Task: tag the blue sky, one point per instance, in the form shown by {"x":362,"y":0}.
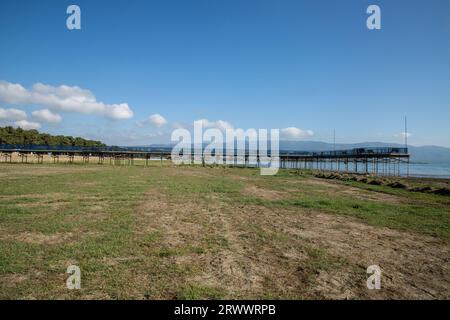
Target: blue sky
{"x":311,"y":65}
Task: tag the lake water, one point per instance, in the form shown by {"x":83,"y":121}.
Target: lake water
{"x":435,"y":170}
{"x":432,"y":170}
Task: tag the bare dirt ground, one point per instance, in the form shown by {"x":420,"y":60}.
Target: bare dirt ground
{"x":301,"y":254}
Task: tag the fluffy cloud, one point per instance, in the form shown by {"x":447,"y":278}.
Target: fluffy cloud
{"x":219,"y":124}
{"x":403,"y":135}
{"x":156,"y":120}
{"x":64,"y":98}
{"x":17,"y":118}
{"x":46,"y":115}
{"x":295,"y":133}
{"x":12,"y":114}
{"x":27,"y":125}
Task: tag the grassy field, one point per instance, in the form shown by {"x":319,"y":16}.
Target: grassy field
{"x":211,"y":233}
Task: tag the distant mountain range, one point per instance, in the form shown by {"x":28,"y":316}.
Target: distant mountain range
{"x":423,"y":154}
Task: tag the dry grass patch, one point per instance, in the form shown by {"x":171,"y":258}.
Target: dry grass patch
{"x":402,"y":256}
{"x":40,"y":238}
{"x":336,"y":189}
{"x":264,"y":193}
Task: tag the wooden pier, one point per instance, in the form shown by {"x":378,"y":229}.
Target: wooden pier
{"x":376,"y":161}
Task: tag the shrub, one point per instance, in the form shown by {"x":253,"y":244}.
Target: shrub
{"x":421,"y":189}
{"x":442,"y":191}
{"x":376,"y":182}
{"x":397,"y":185}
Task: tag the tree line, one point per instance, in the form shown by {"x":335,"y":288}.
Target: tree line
{"x":10,"y":135}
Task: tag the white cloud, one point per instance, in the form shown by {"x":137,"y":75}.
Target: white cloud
{"x":64,"y":98}
{"x":46,"y":115}
{"x":295,"y":133}
{"x":403,"y":135}
{"x":219,"y":124}
{"x":156,"y":120}
{"x":12,"y":114}
{"x":17,"y":118}
{"x":12,"y":93}
{"x":27,"y":125}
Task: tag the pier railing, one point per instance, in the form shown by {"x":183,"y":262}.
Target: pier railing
{"x":108,"y":149}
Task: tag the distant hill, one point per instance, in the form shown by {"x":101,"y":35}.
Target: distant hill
{"x":10,"y":135}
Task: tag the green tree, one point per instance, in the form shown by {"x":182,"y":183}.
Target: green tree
{"x":10,"y":135}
